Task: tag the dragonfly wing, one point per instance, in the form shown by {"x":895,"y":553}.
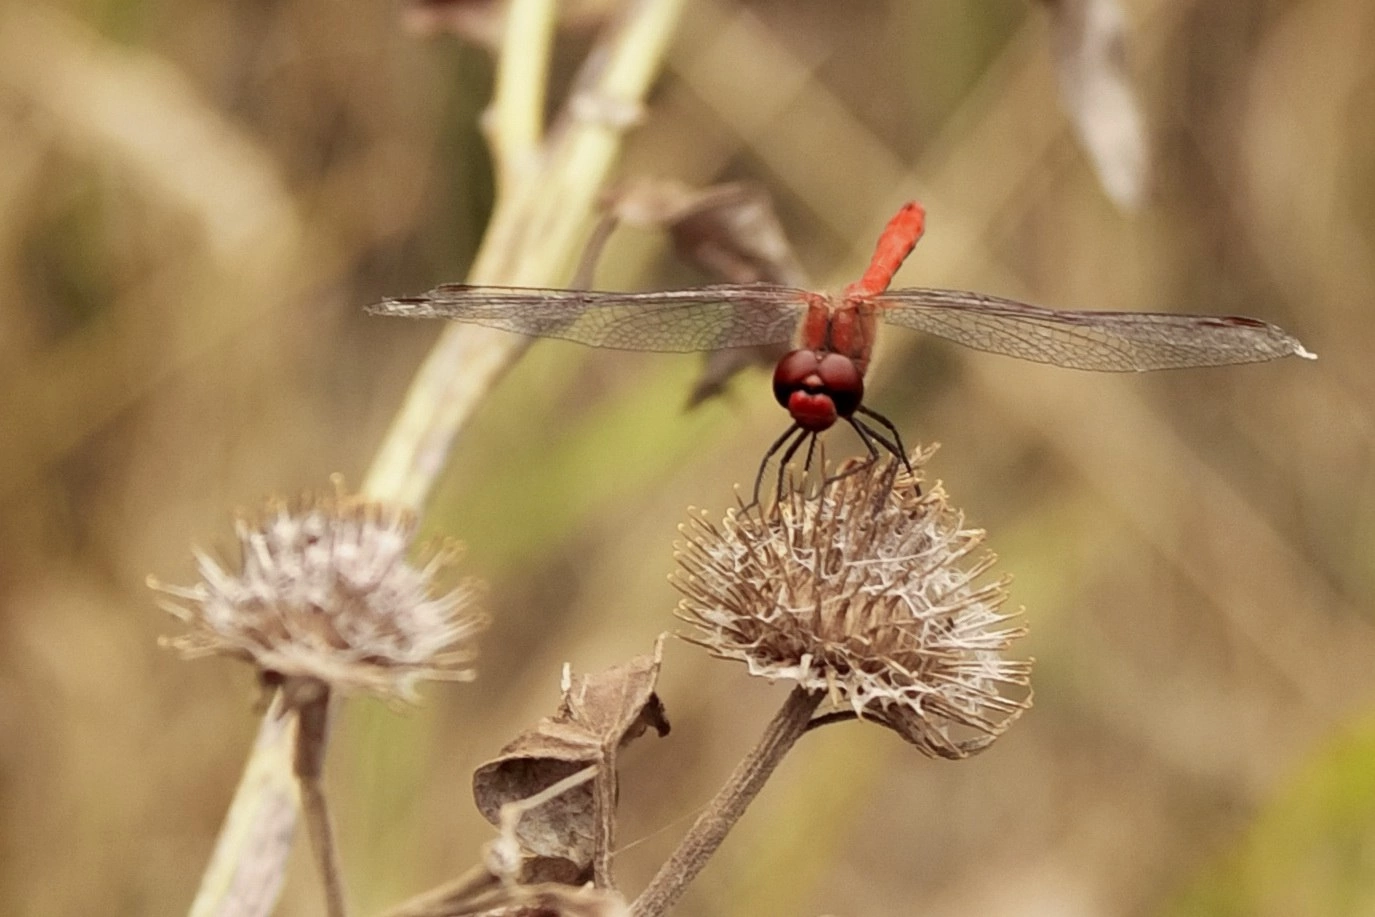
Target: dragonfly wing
{"x":1103,"y":341}
{"x":672,"y":321}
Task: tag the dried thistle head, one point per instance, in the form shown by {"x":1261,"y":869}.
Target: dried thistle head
{"x":324,"y":591}
{"x":869,"y":591}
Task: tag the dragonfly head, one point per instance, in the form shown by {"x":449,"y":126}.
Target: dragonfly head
{"x":817,"y":387}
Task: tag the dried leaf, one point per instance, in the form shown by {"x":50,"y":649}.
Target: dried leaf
{"x":619,"y":704}
{"x":537,"y":870}
{"x":562,"y":827}
{"x":599,"y":713}
{"x":555,"y":901}
{"x":732,"y":233}
{"x":484,"y":893}
{"x":1095,"y":88}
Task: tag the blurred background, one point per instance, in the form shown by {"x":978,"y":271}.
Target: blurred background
{"x":197,"y":199}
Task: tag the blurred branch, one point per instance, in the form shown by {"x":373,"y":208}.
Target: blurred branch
{"x":131,"y":109}
{"x":515,"y":121}
{"x":134,"y":110}
{"x":532,"y":236}
{"x":245,"y":873}
{"x":1090,"y":42}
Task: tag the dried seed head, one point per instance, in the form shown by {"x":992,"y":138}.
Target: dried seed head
{"x":868,"y":591}
{"x":323,"y":590}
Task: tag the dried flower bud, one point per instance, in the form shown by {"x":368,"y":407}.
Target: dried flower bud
{"x":324,"y":591}
{"x":866,"y":591}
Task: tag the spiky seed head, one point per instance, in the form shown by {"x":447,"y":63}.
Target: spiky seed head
{"x":323,"y":589}
{"x":870,"y":591}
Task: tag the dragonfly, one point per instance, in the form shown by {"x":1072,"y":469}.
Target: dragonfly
{"x":821,"y":381}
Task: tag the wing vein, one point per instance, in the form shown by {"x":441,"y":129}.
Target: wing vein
{"x":676,"y":321}
{"x":1103,"y":341}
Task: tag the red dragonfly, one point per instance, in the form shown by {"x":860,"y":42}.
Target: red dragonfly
{"x":822,"y":380}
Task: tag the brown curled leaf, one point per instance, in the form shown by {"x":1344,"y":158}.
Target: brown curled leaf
{"x":599,"y":713}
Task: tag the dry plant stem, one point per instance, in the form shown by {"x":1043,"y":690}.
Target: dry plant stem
{"x":311,"y":739}
{"x":246,"y":871}
{"x":533,"y":238}
{"x":533,"y":235}
{"x":604,"y":791}
{"x":837,"y":716}
{"x":730,"y":803}
{"x":482,"y":888}
{"x":446,"y":898}
{"x":515,"y":121}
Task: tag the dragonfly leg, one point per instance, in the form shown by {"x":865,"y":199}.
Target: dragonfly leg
{"x":773,"y":450}
{"x":811,"y":453}
{"x":868,"y":435}
{"x":896,"y":447}
{"x":788,"y":457}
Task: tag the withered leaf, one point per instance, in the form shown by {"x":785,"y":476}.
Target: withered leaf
{"x":484,"y":894}
{"x":617,"y":705}
{"x":729,"y":231}
{"x":598,"y":714}
{"x":1095,"y":88}
{"x":557,"y":901}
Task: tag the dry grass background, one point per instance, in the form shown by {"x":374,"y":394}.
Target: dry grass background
{"x":197,"y":199}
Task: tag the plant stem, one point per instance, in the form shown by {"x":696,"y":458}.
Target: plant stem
{"x":533,"y":239}
{"x":246,"y":871}
{"x":604,"y":791}
{"x":534,"y":234}
{"x":312,"y":734}
{"x":451,"y":897}
{"x":515,"y":121}
{"x":730,"y":803}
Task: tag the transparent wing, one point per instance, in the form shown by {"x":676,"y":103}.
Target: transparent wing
{"x":1103,"y":341}
{"x":674,"y":321}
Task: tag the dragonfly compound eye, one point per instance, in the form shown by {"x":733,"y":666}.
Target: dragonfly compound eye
{"x":792,"y":372}
{"x":841,"y":379}
{"x":817,"y":388}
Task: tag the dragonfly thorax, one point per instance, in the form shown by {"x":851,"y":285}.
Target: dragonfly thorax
{"x":818,"y":387}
